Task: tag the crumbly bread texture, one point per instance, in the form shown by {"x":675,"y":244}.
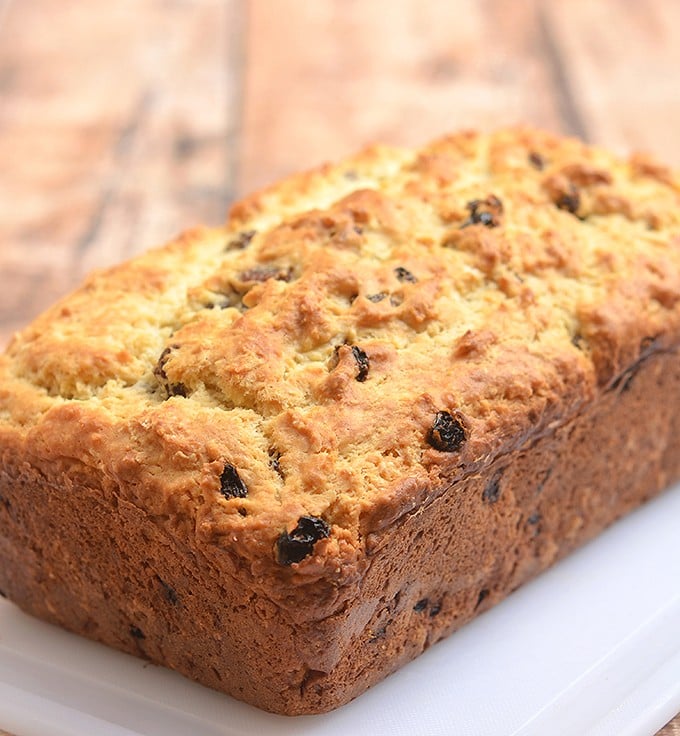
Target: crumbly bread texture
{"x":285,"y":456}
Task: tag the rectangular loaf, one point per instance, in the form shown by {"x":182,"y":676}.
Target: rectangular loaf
{"x":285,"y":456}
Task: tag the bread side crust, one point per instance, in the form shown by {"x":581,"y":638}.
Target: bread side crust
{"x":187,"y":607}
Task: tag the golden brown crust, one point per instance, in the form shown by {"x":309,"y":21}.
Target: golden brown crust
{"x":460,"y":549}
{"x":354,"y":343}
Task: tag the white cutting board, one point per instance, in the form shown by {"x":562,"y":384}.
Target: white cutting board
{"x":591,"y":648}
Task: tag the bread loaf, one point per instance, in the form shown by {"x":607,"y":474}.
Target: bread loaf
{"x":287,"y":455}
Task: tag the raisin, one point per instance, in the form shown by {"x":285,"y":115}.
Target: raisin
{"x":377,"y":297}
{"x":159,"y":370}
{"x":294,"y":546}
{"x":171,"y":389}
{"x":447,"y":433}
{"x":480,"y":598}
{"x":570,"y":201}
{"x":178,"y":389}
{"x":421,"y":605}
{"x":435,"y":610}
{"x":169,"y":592}
{"x":274,"y":462}
{"x":492,"y":490}
{"x":362,"y":361}
{"x":359,"y":356}
{"x":137,"y":632}
{"x":403,"y":274}
{"x":536,"y":160}
{"x":231,"y":485}
{"x":534,"y":518}
{"x":485,"y":212}
{"x":242,"y":240}
{"x":264,"y":273}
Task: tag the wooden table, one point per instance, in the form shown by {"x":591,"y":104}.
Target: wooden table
{"x":123,"y":122}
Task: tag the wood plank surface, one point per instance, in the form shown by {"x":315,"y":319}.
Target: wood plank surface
{"x":622,"y":66}
{"x":117,"y":123}
{"x":122,"y":123}
{"x":347,"y":73}
{"x":324,"y":78}
{"x":672,"y":729}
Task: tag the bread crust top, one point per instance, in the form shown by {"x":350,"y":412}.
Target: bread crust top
{"x":354,"y":340}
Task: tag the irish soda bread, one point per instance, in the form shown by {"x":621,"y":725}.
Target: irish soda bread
{"x":286,"y":456}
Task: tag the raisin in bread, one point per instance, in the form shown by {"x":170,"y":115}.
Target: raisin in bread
{"x":285,"y":456}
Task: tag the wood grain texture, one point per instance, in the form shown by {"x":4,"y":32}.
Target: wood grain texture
{"x":121,"y":123}
{"x":622,"y":63}
{"x":115,"y":122}
{"x":326,"y":78}
{"x":672,"y":729}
